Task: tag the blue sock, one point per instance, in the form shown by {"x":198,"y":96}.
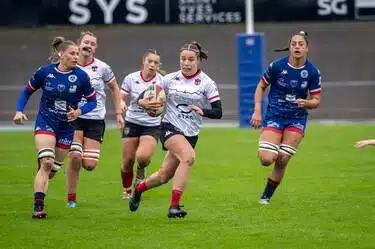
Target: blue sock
{"x":269,"y":189}
{"x":39,"y":201}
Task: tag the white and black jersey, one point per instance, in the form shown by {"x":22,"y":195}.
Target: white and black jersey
{"x":100,"y":75}
{"x":133,"y":85}
{"x":182,"y":91}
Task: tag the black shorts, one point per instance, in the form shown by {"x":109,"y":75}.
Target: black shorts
{"x":168,"y":130}
{"x":136,"y":130}
{"x":92,"y":128}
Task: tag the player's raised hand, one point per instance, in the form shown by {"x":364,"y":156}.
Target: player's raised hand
{"x":73,"y":114}
{"x":19,"y":117}
{"x":196,"y":109}
{"x":256,"y":120}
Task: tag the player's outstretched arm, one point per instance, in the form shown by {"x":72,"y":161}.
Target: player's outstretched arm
{"x":256,"y":118}
{"x":363,"y":143}
{"x":117,"y":101}
{"x":19,"y":116}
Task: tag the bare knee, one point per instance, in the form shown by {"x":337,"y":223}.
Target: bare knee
{"x":127,"y":164}
{"x":47,"y":163}
{"x":267,"y":158}
{"x":89,"y":164}
{"x":75,"y":157}
{"x":188,"y":158}
{"x":143,"y":160}
{"x":285,"y":153}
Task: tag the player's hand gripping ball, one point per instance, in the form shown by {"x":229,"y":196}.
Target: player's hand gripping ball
{"x":155,"y":100}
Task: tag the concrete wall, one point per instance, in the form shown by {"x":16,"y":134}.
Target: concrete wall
{"x":344,"y":52}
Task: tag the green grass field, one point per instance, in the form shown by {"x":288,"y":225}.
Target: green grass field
{"x":326,"y":201}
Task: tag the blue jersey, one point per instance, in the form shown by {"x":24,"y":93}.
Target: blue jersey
{"x":287,"y":84}
{"x":61,"y":90}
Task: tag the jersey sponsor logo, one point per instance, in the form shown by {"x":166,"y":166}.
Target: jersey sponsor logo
{"x":60,"y":87}
{"x":294,"y":83}
{"x":183,"y":108}
{"x":291,"y":98}
{"x":48,"y":86}
{"x":72,"y":78}
{"x":281,"y":82}
{"x":50,"y":75}
{"x":94,"y":68}
{"x":197,"y":82}
{"x":284,"y":72}
{"x":304,"y":74}
{"x":65,"y":141}
{"x":60,"y":105}
{"x":72,"y":88}
{"x":298,"y":126}
{"x":273,"y":124}
{"x":304,"y":84}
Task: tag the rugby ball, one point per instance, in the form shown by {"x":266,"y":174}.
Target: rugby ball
{"x":155,"y":92}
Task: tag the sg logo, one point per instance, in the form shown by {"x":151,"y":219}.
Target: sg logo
{"x":332,"y":7}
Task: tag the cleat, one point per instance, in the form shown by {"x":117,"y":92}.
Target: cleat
{"x":176,"y":212}
{"x":127,"y":194}
{"x":264,"y":201}
{"x":71,"y":204}
{"x":39,"y":215}
{"x":135,"y":200}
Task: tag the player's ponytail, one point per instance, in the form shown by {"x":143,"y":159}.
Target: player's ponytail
{"x":56,"y":49}
{"x":301,"y":33}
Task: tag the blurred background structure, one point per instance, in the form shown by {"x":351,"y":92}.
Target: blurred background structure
{"x":340,"y":33}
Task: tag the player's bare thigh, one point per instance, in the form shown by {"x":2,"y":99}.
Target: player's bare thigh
{"x":181,"y":148}
{"x":269,"y":142}
{"x":146,"y":148}
{"x":168,"y":167}
{"x":129,"y":148}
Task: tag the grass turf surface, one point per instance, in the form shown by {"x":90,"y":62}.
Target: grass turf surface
{"x":326,"y":201}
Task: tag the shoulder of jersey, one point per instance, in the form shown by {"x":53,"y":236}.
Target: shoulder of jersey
{"x":171,"y":76}
{"x":311,"y":66}
{"x":205,"y":77}
{"x":100,"y":63}
{"x":134,"y":75}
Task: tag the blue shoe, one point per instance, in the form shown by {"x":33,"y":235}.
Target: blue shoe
{"x":176,"y":212}
{"x":71,"y":204}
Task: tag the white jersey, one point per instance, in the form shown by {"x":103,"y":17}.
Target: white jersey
{"x":133,"y":85}
{"x":183,"y":91}
{"x":100,"y":75}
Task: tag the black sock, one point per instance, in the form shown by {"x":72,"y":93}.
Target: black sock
{"x":39,"y":201}
{"x":270,"y":189}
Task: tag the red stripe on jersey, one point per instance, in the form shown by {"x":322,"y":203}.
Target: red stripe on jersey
{"x":294,"y":129}
{"x":153,"y":77}
{"x":123,"y":89}
{"x":273,"y":130}
{"x":30,"y":87}
{"x":265,"y":81}
{"x":91,"y":96}
{"x":191,"y":76}
{"x":44,"y":133}
{"x":216,"y":96}
{"x":89,"y":63}
{"x":316,"y":91}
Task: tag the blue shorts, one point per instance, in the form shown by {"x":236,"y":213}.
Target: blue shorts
{"x":280,"y":124}
{"x":64,"y":133}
